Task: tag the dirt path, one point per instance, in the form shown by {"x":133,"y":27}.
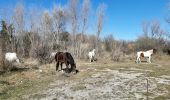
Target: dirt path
{"x":103,"y":84}
{"x":105,"y":80}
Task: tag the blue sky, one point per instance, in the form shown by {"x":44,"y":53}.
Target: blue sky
{"x":123,"y":18}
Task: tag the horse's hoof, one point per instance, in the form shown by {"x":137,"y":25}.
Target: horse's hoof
{"x":62,"y":71}
{"x":75,"y":72}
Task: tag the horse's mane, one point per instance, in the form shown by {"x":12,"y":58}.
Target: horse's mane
{"x":70,"y":57}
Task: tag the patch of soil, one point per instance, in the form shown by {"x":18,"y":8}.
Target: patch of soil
{"x":103,"y":84}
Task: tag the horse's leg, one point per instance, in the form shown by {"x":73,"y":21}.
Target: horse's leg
{"x":139,"y":60}
{"x":57,"y":65}
{"x":73,"y":68}
{"x":136,"y":59}
{"x":93,"y":58}
{"x":149,"y":59}
{"x":61,"y":64}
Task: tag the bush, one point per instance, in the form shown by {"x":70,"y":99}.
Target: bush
{"x":146,"y":43}
{"x":2,"y":64}
{"x":108,"y":43}
{"x":117,"y":51}
{"x":43,"y":54}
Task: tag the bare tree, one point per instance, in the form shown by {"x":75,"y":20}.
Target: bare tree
{"x":59,"y":22}
{"x":73,"y":8}
{"x":84,"y":22}
{"x":100,"y":20}
{"x":145,"y":28}
{"x":34,"y":18}
{"x":19,"y":24}
{"x":19,"y":18}
{"x":108,"y":43}
{"x":85,"y":15}
{"x":47,"y":25}
{"x":155,"y":28}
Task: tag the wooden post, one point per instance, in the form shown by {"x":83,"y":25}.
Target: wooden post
{"x":147,"y":88}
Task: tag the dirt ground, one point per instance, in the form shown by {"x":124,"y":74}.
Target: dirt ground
{"x":101,"y":80}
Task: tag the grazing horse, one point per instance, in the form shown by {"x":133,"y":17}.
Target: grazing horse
{"x":145,"y":54}
{"x":65,"y":57}
{"x":92,"y":55}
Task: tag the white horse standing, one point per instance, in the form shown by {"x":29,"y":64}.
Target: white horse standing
{"x":145,"y":54}
{"x":92,"y":55}
{"x":11,"y":57}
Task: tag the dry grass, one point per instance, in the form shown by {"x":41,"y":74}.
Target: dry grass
{"x":32,"y":78}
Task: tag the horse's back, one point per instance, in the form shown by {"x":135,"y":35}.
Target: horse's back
{"x":91,"y":54}
{"x":143,"y":53}
{"x":11,"y":56}
{"x":64,"y":56}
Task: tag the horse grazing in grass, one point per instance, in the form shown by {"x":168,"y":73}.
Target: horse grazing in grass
{"x":92,"y":55}
{"x":65,"y":57}
{"x":145,"y":54}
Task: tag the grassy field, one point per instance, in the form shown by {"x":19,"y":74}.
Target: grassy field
{"x":104,"y":79}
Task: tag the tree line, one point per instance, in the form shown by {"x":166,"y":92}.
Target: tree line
{"x":36,"y":33}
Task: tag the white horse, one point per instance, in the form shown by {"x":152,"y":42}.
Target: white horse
{"x":52,"y":55}
{"x":11,"y":57}
{"x":92,"y":55}
{"x":145,"y":54}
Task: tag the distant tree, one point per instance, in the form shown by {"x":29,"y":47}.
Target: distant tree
{"x":59,"y":22}
{"x":6,"y":36}
{"x":19,"y":23}
{"x":155,"y":28}
{"x":85,"y":15}
{"x":46,"y":25}
{"x":100,"y":20}
{"x":64,"y":36}
{"x":108,"y":42}
{"x":145,"y":28}
{"x":74,"y":17}
{"x":18,"y":18}
{"x":33,"y":36}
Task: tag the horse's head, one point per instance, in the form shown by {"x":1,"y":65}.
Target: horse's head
{"x":73,"y":68}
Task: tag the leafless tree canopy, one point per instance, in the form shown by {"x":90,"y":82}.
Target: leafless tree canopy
{"x":100,"y":19}
{"x":35,"y":32}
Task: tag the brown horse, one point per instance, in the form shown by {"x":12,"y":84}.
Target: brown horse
{"x":65,"y":57}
